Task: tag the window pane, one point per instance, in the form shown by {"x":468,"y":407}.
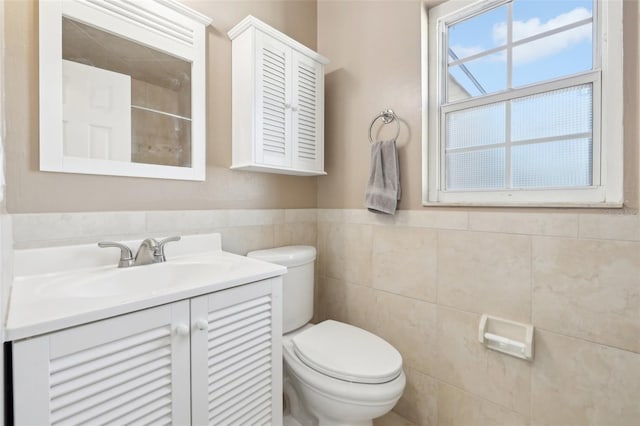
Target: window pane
{"x":553,"y":164}
{"x":487,"y":74}
{"x":475,"y":170}
{"x":532,"y":17}
{"x":558,"y":55}
{"x":561,"y":112}
{"x":476,"y":34}
{"x":480,"y":126}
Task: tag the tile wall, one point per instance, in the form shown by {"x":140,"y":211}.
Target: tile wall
{"x":421,"y":280}
{"x":241,"y":230}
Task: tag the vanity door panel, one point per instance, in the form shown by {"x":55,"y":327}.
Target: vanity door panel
{"x":128,"y":369}
{"x":237,"y":355}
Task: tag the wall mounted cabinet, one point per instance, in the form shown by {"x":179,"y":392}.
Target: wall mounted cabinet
{"x":278,"y":102}
{"x":212,"y":359}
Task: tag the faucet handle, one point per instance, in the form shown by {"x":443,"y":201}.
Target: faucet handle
{"x":126,"y":256}
{"x":160,"y":247}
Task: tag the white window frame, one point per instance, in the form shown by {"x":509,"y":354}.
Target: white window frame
{"x":607,"y":80}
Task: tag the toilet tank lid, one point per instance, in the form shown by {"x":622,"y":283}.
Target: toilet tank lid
{"x":286,"y":256}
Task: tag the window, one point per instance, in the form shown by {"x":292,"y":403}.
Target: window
{"x":524,"y":103}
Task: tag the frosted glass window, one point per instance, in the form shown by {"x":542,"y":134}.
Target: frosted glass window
{"x":557,"y":113}
{"x":524,"y":103}
{"x":555,"y":164}
{"x":476,"y":170}
{"x":480,"y":126}
{"x":550,"y":142}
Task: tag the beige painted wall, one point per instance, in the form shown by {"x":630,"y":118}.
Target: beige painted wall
{"x":422,"y":278}
{"x":374,"y":49}
{"x":375,"y":64}
{"x":29,"y":190}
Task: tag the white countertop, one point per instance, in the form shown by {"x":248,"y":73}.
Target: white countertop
{"x":55,"y":298}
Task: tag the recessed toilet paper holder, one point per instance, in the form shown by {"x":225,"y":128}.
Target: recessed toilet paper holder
{"x":506,"y":336}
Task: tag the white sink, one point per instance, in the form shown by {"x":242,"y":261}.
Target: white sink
{"x":133,"y":281}
{"x":63,"y":287}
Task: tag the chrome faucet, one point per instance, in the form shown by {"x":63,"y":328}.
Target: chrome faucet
{"x":126,"y":256}
{"x":150,"y":251}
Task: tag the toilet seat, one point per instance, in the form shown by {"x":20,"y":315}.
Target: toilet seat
{"x":347,"y":353}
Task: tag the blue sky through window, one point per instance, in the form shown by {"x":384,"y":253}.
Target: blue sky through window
{"x":560,"y":54}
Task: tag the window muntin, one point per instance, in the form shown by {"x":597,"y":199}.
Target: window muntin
{"x":517,"y":43}
{"x":601,"y":140}
{"x":534,"y":129}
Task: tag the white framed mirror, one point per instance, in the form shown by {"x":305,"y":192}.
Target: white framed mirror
{"x":122,"y":88}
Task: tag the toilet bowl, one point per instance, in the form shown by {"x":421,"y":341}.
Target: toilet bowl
{"x":335,"y":374}
{"x":346,"y":399}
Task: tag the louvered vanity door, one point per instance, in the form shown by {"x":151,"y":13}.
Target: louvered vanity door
{"x":308,"y":117}
{"x":237,"y":356}
{"x":131,"y":369}
{"x":273,"y":102}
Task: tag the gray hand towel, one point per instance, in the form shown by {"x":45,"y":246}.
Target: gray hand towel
{"x":383,"y":188}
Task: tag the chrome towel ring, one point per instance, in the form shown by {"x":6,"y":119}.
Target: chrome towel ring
{"x":387,"y":117}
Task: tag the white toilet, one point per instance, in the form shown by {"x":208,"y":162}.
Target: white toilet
{"x":335,"y":374}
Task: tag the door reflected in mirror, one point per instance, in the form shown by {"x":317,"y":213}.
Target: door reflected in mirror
{"x":123,"y":101}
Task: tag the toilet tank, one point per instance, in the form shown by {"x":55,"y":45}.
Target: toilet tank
{"x":297,"y":284}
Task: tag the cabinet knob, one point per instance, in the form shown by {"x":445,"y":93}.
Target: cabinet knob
{"x":202,"y":325}
{"x":182,"y":330}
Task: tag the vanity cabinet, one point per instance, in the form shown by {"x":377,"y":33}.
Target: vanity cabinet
{"x":213,"y":359}
{"x":277,"y":102}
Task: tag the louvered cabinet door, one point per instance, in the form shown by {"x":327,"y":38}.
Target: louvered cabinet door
{"x":273,"y":102}
{"x":308,"y":117}
{"x":237,"y":356}
{"x":131,"y":369}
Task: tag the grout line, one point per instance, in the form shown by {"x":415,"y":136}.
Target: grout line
{"x":592,"y":342}
{"x":468,"y":392}
{"x":531,"y":290}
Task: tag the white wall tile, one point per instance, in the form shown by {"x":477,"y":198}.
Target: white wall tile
{"x":578,"y":383}
{"x":404,"y":261}
{"x":186,"y":221}
{"x":254,"y":217}
{"x":436,"y":219}
{"x":459,"y":408}
{"x":300,"y":215}
{"x":588,"y":289}
{"x":485,"y":273}
{"x":410,"y":326}
{"x":346,"y":252}
{"x":34,"y":230}
{"x":610,"y":227}
{"x":464,"y":362}
{"x":419,"y":402}
{"x":552,"y":224}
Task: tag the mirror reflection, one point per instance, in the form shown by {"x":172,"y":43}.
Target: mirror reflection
{"x":123,"y":101}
